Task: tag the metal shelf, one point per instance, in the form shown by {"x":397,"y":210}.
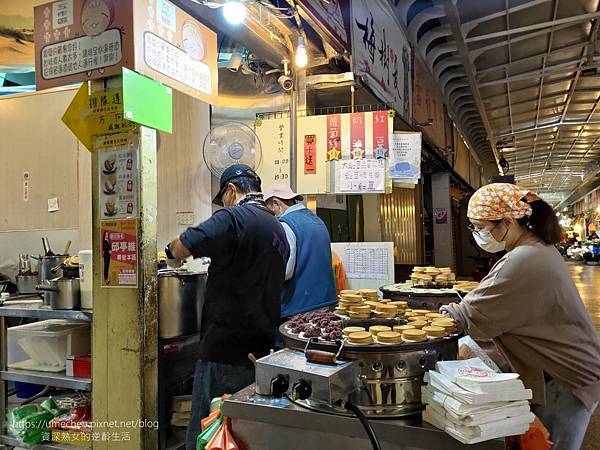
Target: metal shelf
{"x":47,"y":378}
{"x":9,"y":440}
{"x":36,"y":310}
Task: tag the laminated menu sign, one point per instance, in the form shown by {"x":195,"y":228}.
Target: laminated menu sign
{"x":405,"y":156}
{"x":359,"y":176}
{"x":119,"y":177}
{"x":366,"y":262}
{"x":119,"y":241}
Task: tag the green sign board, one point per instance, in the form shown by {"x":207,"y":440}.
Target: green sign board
{"x":147,"y":102}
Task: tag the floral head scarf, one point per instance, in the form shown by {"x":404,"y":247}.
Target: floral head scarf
{"x":499,"y":200}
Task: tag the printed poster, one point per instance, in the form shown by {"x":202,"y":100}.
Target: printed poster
{"x":405,"y":156}
{"x":119,"y":242}
{"x":80,"y":40}
{"x":119,"y":178}
{"x":441,"y":216}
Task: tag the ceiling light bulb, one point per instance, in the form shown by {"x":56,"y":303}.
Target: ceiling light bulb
{"x":301,"y":56}
{"x":234,"y":12}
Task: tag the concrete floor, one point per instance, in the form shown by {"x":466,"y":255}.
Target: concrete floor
{"x":587,"y":279}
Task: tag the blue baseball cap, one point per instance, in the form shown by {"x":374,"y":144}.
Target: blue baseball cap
{"x":231,"y":173}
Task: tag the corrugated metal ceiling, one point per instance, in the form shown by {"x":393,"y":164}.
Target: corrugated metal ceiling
{"x":521,"y":78}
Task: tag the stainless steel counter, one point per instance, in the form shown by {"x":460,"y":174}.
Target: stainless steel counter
{"x":262,"y":423}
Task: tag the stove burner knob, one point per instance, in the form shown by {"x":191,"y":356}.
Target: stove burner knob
{"x":279,"y":386}
{"x":301,"y":390}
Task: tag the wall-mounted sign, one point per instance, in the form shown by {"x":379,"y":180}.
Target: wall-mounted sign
{"x":274,"y":137}
{"x":405,"y":156}
{"x":25,"y":186}
{"x":174,"y":48}
{"x":381,"y":54}
{"x":359,"y":176}
{"x":119,"y":240}
{"x":78,"y":40}
{"x":94,"y":114}
{"x":441,"y":216}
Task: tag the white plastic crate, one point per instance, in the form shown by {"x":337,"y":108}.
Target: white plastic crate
{"x":45,"y":345}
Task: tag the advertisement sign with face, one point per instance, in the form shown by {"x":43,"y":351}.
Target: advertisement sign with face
{"x":79,"y":40}
{"x":174,"y":48}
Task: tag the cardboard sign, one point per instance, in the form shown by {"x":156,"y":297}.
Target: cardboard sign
{"x":175,"y":49}
{"x":119,"y":242}
{"x":94,"y":114}
{"x":79,"y":40}
{"x":310,"y":154}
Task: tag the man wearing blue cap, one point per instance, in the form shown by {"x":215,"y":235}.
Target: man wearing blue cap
{"x":248,"y":251}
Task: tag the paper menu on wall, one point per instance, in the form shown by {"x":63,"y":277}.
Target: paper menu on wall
{"x":366,"y":262}
{"x":119,"y":178}
{"x":360,"y":176}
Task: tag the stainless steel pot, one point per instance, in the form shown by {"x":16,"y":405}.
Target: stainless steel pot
{"x":62,"y":293}
{"x":46,"y":264}
{"x":26,"y":284}
{"x":180,"y":302}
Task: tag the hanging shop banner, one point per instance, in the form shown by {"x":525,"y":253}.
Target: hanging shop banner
{"x":381,"y":54}
{"x":332,"y":16}
{"x":79,"y":40}
{"x":175,"y":49}
{"x":120,"y":245}
{"x":359,"y":176}
{"x":310,"y":154}
{"x":428,"y":106}
{"x":357,"y":135}
{"x":405,"y":156}
{"x":99,"y":113}
{"x":274,"y":137}
{"x":381,"y":146}
{"x":118,"y":177}
{"x":334,"y":141}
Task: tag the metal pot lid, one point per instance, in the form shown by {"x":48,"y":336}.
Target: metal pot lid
{"x":177,"y":273}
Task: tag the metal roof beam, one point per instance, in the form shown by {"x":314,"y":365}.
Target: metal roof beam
{"x":536,"y":26}
{"x":454,"y":21}
{"x":547,"y":126}
{"x":467,"y":27}
{"x":566,"y":48}
{"x":535,"y":86}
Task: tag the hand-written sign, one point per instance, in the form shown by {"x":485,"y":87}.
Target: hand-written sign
{"x":359,"y":176}
{"x":275,"y":166}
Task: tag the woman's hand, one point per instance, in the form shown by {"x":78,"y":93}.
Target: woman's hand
{"x":445,"y":311}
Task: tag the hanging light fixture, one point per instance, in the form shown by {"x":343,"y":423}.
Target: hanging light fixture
{"x":234,"y":12}
{"x":301,"y":58}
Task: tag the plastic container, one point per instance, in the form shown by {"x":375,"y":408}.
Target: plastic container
{"x":27,"y":390}
{"x":86,"y":278}
{"x":45,"y":345}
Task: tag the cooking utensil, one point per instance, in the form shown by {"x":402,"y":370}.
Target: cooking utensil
{"x":180,"y":302}
{"x":26,"y":284}
{"x":67,"y":247}
{"x":63,"y":293}
{"x":24,"y":264}
{"x":47,"y":250}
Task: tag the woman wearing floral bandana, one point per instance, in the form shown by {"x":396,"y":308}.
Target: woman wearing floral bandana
{"x":529,"y":306}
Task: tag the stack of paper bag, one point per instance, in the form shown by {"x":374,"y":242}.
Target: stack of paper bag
{"x":472,"y":403}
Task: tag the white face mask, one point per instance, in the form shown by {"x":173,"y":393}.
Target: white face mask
{"x":487,"y":242}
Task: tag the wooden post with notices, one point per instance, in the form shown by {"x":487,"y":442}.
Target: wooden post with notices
{"x":125,"y":324}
